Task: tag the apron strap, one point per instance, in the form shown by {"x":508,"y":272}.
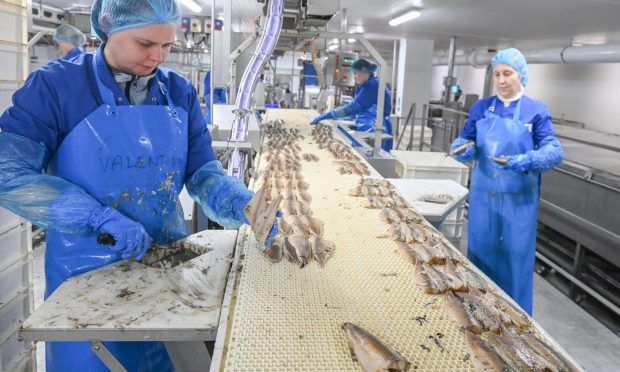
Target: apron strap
{"x":516,"y":115}
{"x":106,"y":94}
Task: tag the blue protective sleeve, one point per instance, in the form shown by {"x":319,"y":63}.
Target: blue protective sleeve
{"x":466,"y":155}
{"x":548,"y":154}
{"x":221,"y":197}
{"x":349,"y":109}
{"x":45,"y":200}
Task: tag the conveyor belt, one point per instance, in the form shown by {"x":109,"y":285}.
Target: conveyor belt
{"x":287,"y":318}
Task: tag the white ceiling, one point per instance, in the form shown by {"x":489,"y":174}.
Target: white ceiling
{"x":475,"y":23}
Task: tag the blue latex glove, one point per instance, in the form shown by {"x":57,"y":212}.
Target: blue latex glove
{"x":519,"y":163}
{"x":548,"y":155}
{"x":131,"y":238}
{"x":466,"y":155}
{"x":273,"y":232}
{"x":221,"y":197}
{"x":325,"y":116}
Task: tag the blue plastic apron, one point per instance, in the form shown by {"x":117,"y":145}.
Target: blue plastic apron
{"x":365,"y":120}
{"x":503,"y":207}
{"x":132,"y":158}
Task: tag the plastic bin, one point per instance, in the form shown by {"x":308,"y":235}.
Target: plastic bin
{"x":429,"y":165}
{"x":14,"y":245}
{"x":13,"y":313}
{"x":452,"y":229}
{"x":7,"y":220}
{"x":16,"y":355}
{"x":15,"y":279}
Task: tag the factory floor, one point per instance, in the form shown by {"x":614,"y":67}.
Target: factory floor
{"x":588,"y":341}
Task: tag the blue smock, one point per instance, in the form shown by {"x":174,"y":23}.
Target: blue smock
{"x":503,"y":204}
{"x":310,"y":73}
{"x":364,"y":108}
{"x":134,"y":158}
{"x":219,"y":96}
{"x":72,"y":54}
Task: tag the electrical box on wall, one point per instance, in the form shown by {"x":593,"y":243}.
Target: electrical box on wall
{"x":185,"y":22}
{"x":195,"y":25}
{"x":208,"y":25}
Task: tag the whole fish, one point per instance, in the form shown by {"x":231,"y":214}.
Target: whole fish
{"x":300,"y":245}
{"x":543,"y":349}
{"x":484,"y":357}
{"x":461,"y":314}
{"x":489,"y":317}
{"x":372,"y":354}
{"x":275,"y":250}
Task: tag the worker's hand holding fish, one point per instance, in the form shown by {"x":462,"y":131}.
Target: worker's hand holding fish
{"x":130,"y":238}
{"x":327,"y":115}
{"x":463,"y":150}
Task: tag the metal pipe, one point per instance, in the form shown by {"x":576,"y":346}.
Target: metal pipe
{"x":609,"y":53}
{"x":212,"y":63}
{"x":394,"y":57}
{"x":451,"y":54}
{"x":488,"y":82}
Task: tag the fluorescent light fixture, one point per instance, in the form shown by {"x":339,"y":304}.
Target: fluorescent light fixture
{"x":332,"y":47}
{"x":192,"y":5}
{"x":404,"y":17}
{"x":351,"y":41}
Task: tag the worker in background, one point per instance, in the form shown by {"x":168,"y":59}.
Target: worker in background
{"x":364,"y":105}
{"x":219,"y":96}
{"x":289,"y":99}
{"x":278,"y":95}
{"x":68,"y":40}
{"x":503,"y":201}
{"x":94,"y":158}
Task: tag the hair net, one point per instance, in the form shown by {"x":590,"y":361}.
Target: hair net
{"x":110,"y":16}
{"x":363,"y":65}
{"x":513,"y":58}
{"x":65,"y":33}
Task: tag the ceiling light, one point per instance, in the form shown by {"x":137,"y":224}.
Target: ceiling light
{"x":404,"y":17}
{"x":192,"y":5}
{"x":351,"y":41}
{"x":332,"y":47}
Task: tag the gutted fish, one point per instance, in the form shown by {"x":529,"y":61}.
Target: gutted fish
{"x":301,"y":247}
{"x":261,"y":214}
{"x":315,"y":226}
{"x":297,"y":224}
{"x":372,"y":354}
{"x":484,"y":357}
{"x":275,"y":250}
{"x":322,"y":249}
{"x":461,"y":314}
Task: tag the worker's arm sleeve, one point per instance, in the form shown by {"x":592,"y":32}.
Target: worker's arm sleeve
{"x":350,"y":109}
{"x":45,"y":200}
{"x":221,"y":197}
{"x":200,"y":145}
{"x":548,"y":155}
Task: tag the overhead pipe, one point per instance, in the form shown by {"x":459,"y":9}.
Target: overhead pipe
{"x":568,"y":54}
{"x":266,"y":44}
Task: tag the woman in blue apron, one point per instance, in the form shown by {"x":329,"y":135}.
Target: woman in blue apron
{"x":104,"y":144}
{"x":364,"y":106}
{"x":503,"y":199}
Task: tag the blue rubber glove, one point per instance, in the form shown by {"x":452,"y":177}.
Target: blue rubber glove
{"x":466,"y":155}
{"x":519,"y":163}
{"x":273,"y":232}
{"x":325,"y":116}
{"x":131,"y":238}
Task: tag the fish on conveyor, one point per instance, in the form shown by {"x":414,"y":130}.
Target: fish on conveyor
{"x":405,"y":233}
{"x":284,"y":228}
{"x":489,"y":317}
{"x":303,"y":195}
{"x":461,"y":314}
{"x":297,"y":224}
{"x":275,"y":250}
{"x":261,"y":214}
{"x":389,"y":215}
{"x":484,"y":358}
{"x":376,"y":182}
{"x":371,"y":353}
{"x":315,"y":226}
{"x":471,"y":278}
{"x":456,"y":283}
{"x":512,"y":315}
{"x":407,"y":253}
{"x":300,"y":246}
{"x":322,"y":249}
{"x":516,"y":353}
{"x":429,"y":279}
{"x":548,"y":352}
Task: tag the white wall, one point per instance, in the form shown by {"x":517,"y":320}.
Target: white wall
{"x":583,"y":92}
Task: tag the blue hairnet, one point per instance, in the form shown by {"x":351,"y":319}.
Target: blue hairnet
{"x":110,"y":16}
{"x":65,"y":33}
{"x":513,"y":58}
{"x":362,"y":65}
